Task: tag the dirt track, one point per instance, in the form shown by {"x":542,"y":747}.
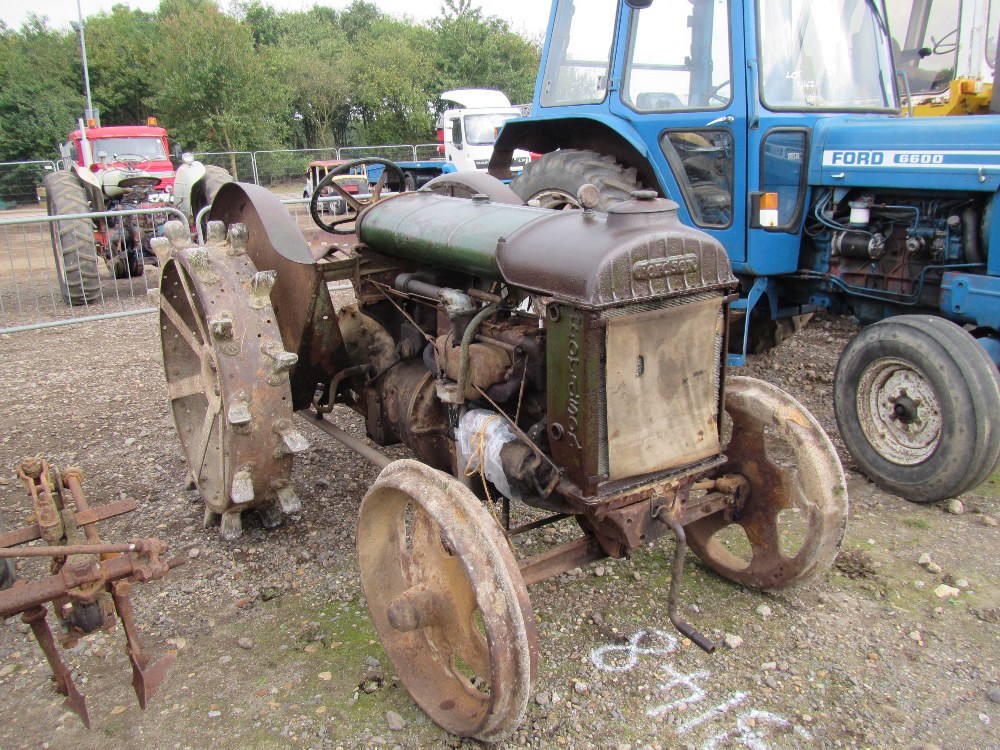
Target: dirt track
{"x":866,"y":657}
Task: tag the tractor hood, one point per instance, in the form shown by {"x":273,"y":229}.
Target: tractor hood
{"x":946,"y":153}
{"x":116,"y":182}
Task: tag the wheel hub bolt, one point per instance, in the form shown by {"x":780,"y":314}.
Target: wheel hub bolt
{"x":904,"y":409}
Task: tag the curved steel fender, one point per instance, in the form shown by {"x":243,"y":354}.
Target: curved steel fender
{"x":186,"y":178}
{"x":302,"y":304}
{"x":271,"y":228}
{"x":88,"y":177}
{"x":92,"y":184}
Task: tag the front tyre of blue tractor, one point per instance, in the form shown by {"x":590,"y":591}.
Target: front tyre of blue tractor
{"x":917,"y":401}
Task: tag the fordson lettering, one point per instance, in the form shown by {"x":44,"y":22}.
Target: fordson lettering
{"x":572,"y":388}
{"x":644,"y":270}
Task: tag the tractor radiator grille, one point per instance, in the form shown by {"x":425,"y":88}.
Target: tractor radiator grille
{"x":659,"y":393}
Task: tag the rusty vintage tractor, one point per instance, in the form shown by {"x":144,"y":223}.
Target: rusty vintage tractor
{"x":570,"y":366}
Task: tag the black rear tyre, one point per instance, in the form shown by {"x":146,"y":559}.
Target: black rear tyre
{"x":556,"y":178}
{"x":917,"y":401}
{"x":76,"y":261}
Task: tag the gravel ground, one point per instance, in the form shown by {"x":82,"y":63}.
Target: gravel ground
{"x":275,"y":648}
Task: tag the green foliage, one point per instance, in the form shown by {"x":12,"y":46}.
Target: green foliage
{"x":474,"y":51}
{"x":214,"y":91}
{"x":38,"y":99}
{"x":120,"y":48}
{"x":255,"y":78}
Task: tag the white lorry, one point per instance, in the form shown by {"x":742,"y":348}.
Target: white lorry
{"x":468,"y":130}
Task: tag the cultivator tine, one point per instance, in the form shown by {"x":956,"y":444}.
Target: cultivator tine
{"x":84,"y":572}
{"x":75,"y":700}
{"x":145,"y":679}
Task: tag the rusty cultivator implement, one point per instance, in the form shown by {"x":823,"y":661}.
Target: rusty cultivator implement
{"x":568,"y":362}
{"x":89,"y":582}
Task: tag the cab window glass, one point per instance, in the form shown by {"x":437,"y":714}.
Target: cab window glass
{"x":579,"y":53}
{"x":678,"y":56}
{"x":782,"y":169}
{"x":702,"y":161}
{"x":824,"y":55}
{"x":925,"y":41}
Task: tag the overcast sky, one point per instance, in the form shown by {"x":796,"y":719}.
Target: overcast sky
{"x":526,"y":16}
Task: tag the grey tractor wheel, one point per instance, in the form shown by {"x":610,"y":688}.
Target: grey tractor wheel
{"x":555,"y":179}
{"x":917,"y":401}
{"x":76,"y":261}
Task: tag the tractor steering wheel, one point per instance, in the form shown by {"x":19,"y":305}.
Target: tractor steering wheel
{"x":132,"y":161}
{"x":714,"y":94}
{"x":355,"y":205}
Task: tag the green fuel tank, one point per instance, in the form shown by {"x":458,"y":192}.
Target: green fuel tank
{"x":461,"y":235}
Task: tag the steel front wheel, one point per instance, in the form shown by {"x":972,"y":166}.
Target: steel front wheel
{"x":917,"y":400}
{"x":555,"y":179}
{"x":447,"y":600}
{"x":790,"y":525}
{"x":227,"y":380}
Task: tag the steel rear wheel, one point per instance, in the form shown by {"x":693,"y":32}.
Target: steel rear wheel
{"x":227,"y":381}
{"x":447,"y":600}
{"x":917,"y":400}
{"x":791,"y":525}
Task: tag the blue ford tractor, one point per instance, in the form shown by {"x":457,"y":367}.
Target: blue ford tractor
{"x":775,"y":125}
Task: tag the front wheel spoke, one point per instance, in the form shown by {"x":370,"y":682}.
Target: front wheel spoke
{"x":426,"y":538}
{"x":185,"y":387}
{"x":765,"y":540}
{"x":470,"y":645}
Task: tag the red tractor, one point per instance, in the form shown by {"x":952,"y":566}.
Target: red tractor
{"x":111,"y":169}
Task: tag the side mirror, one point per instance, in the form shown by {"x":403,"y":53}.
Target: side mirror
{"x":175,"y":154}
{"x":638,"y":4}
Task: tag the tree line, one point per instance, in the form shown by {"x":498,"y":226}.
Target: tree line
{"x":252,"y":78}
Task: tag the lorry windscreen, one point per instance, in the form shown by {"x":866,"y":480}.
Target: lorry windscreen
{"x":482,"y":130}
{"x":829,"y":55}
{"x":146,"y":148}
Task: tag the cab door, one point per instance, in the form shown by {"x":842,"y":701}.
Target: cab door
{"x":681,"y":81}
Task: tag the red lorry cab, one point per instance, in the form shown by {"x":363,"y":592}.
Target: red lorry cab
{"x":139,"y":146}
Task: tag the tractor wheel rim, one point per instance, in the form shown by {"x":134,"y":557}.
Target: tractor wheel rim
{"x":899,"y":411}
